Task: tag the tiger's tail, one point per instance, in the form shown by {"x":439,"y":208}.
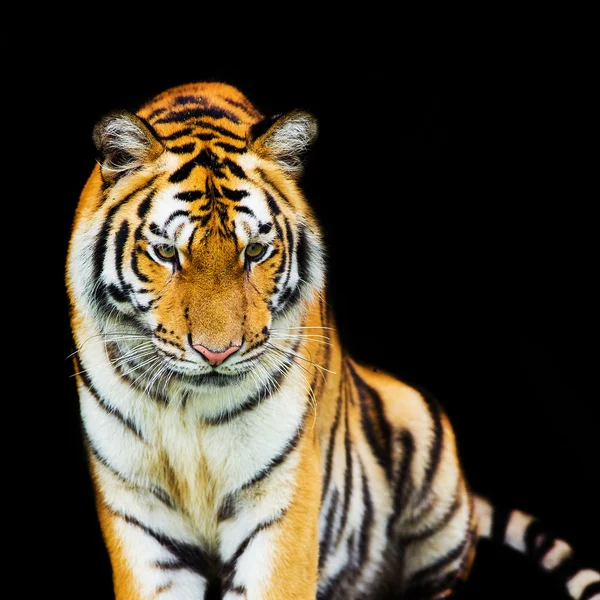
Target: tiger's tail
{"x":527,"y":535}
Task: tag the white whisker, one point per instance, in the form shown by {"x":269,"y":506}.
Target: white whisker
{"x":296,"y":355}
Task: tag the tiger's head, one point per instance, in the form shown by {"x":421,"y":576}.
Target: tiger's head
{"x":192,"y":241}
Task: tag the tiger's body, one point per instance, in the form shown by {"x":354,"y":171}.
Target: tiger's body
{"x":236,"y":450}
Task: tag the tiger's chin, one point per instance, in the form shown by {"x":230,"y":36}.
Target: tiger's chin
{"x":212,"y":378}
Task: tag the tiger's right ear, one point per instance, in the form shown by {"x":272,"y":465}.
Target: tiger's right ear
{"x":285,"y":138}
{"x":124,"y":142}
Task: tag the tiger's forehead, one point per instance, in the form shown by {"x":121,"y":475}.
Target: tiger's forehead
{"x":205,"y":202}
{"x":212,"y":112}
{"x":204,"y":129}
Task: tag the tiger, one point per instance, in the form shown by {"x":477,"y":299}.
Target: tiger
{"x":236,"y":449}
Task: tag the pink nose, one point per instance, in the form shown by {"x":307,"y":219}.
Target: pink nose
{"x":214,"y":359}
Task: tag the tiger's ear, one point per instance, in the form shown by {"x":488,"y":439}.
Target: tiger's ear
{"x":124,"y":142}
{"x":285,"y":138}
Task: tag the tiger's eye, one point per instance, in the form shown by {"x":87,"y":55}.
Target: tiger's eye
{"x":255,"y":251}
{"x":165,"y":251}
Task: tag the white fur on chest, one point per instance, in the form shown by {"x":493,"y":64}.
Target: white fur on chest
{"x":195,"y":464}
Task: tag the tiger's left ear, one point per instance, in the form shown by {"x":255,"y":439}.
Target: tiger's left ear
{"x":285,"y":139}
{"x":124,"y":142}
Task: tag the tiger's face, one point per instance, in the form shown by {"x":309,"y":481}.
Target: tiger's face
{"x":193,"y":242}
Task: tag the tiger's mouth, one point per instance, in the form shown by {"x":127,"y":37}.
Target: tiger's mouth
{"x":152,"y":372}
{"x":213,"y":378}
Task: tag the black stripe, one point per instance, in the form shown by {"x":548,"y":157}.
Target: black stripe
{"x":375,"y":425}
{"x":191,"y":557}
{"x":281,"y":267}
{"x":332,"y":436}
{"x":284,"y":299}
{"x":333,"y":586}
{"x":590,"y":590}
{"x":144,"y":308}
{"x":156,"y":113}
{"x":261,"y":396}
{"x":288,"y":448}
{"x":228,"y":570}
{"x":272,"y":204}
{"x":404,"y":484}
{"x":208,"y":159}
{"x":327,"y":350}
{"x":104,"y":462}
{"x":138,"y":250}
{"x":444,"y":561}
{"x":364,"y":539}
{"x":347,"y":475}
{"x":534,"y":548}
{"x":234,"y":168}
{"x":187,"y":100}
{"x":116,"y":293}
{"x":227,"y":509}
{"x":113,"y":411}
{"x":156,"y":491}
{"x":174,"y":215}
{"x":214,"y":589}
{"x":201,"y":220}
{"x":102,"y":240}
{"x":183,"y":149}
{"x":231,"y":148}
{"x":183,"y":172}
{"x":120,"y":242}
{"x":156,"y":229}
{"x":168,"y":565}
{"x":435,"y":451}
{"x":143,"y":210}
{"x":289,"y":252}
{"x":235,"y":195}
{"x":190,"y":196}
{"x":145,"y":204}
{"x":196,"y":113}
{"x":245,"y":210}
{"x":440,"y":523}
{"x":500,"y":520}
{"x":303,"y":256}
{"x":325,"y":542}
{"x":178,"y":134}
{"x":222,"y":130}
{"x":163,"y":497}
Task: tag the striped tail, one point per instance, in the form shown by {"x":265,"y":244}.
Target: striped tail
{"x":527,"y":535}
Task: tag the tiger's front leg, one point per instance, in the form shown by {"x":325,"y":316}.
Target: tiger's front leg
{"x":260,"y":555}
{"x":153,"y":553}
{"x":278,"y":559}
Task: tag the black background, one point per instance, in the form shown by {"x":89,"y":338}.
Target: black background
{"x":461,"y":257}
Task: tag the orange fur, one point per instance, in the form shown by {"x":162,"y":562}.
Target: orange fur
{"x":294,"y":576}
{"x":123,"y":581}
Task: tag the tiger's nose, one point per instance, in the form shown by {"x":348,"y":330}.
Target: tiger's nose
{"x":213,"y":358}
